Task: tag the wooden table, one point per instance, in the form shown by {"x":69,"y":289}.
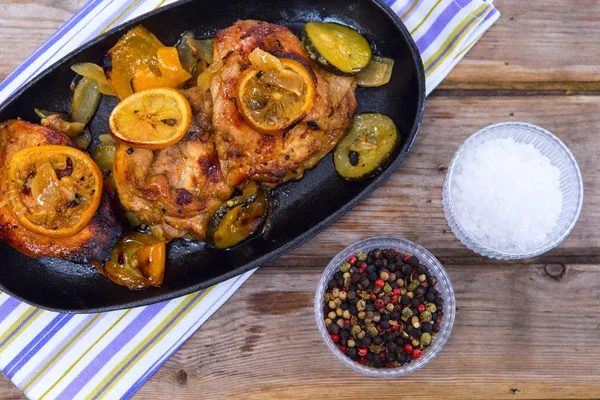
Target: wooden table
{"x":526,"y":330}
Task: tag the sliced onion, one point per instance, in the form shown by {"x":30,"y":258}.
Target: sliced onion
{"x":95,"y":72}
{"x":186,"y":57}
{"x":202,"y":49}
{"x":377,"y":73}
{"x":59,"y":123}
{"x":274,"y":72}
{"x":85,"y":100}
{"x":83,"y":141}
{"x":104,"y":155}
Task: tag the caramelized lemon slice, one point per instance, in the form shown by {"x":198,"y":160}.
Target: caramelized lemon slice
{"x":151,"y":119}
{"x":53,"y":190}
{"x":274,"y":94}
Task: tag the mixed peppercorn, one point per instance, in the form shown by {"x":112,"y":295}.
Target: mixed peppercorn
{"x":382,"y":308}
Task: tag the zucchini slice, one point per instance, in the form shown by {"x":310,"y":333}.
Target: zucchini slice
{"x":367,"y":147}
{"x":377,"y":73}
{"x":337,"y":48}
{"x":237,"y":219}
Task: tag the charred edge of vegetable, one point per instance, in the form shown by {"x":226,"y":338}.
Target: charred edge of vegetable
{"x":263,"y":227}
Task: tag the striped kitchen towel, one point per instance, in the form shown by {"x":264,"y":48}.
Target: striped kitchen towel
{"x":110,"y":355}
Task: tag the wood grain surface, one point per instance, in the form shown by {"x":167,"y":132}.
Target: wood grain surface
{"x":523,"y":331}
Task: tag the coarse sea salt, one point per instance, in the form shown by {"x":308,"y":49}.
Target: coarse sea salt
{"x":507,"y":195}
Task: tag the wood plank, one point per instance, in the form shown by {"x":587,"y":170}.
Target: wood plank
{"x":535,"y":45}
{"x":519,"y":333}
{"x":409,"y":204}
{"x":25,"y":25}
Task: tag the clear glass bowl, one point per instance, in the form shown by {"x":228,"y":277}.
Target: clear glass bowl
{"x":571,"y":185}
{"x":443,"y":285}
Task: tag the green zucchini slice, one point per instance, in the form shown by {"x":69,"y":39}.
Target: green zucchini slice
{"x":238,"y":218}
{"x":337,"y":48}
{"x":367,"y":147}
{"x":377,"y":73}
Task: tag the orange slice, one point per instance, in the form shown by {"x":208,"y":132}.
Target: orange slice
{"x":53,"y":190}
{"x":151,"y":119}
{"x":274,"y":94}
{"x":171,"y":75}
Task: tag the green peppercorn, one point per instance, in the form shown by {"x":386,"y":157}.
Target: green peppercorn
{"x":362,"y":315}
{"x":387,"y":289}
{"x":410,"y":288}
{"x":350,"y":343}
{"x":373,"y":331}
{"x":362,"y":256}
{"x":425,"y":316}
{"x":356,"y":329}
{"x":361,"y":305}
{"x":425,"y":339}
{"x":345,"y":267}
{"x":343,"y":295}
{"x":361,"y":335}
{"x":384,"y":275}
{"x":431,"y":308}
{"x":415,"y":321}
{"x":406,"y":313}
{"x":327,"y":297}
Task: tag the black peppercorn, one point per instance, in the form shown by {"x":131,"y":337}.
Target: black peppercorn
{"x":367,"y":340}
{"x":370,"y":356}
{"x":385,"y":317}
{"x":378,"y":263}
{"x":434,"y":317}
{"x":392,"y":347}
{"x":377,"y":340}
{"x":377,"y":253}
{"x":372,"y":276}
{"x":406,"y":269}
{"x":430,"y":297}
{"x":331,"y":285}
{"x":405,"y":300}
{"x":436,"y":328}
{"x":365,"y":282}
{"x":333,"y":328}
{"x":414,"y":261}
{"x":359,"y":343}
{"x":345,"y":306}
{"x":384,"y":324}
{"x":401,"y":358}
{"x":371,"y":269}
{"x":396,"y":315}
{"x":389,"y":337}
{"x":370,"y":307}
{"x":355,"y":277}
{"x":344,"y":333}
{"x":420,"y":291}
{"x":428,"y":328}
{"x":416,"y":333}
{"x":351,"y":352}
{"x":353,"y":310}
{"x":391,"y":357}
{"x":338,"y":275}
{"x":415,"y":301}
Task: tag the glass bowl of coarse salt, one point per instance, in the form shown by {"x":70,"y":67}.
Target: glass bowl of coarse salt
{"x":512,"y":191}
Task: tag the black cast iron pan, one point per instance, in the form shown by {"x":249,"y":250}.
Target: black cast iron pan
{"x":304,"y":208}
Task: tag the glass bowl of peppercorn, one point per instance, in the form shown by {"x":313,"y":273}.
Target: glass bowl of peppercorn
{"x":385,"y":306}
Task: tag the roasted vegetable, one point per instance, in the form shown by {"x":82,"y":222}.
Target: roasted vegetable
{"x":86,"y":98}
{"x":367,"y":147}
{"x":337,"y":48}
{"x":83,"y":141}
{"x":94,"y":72}
{"x":136,"y":47}
{"x":60,"y":122}
{"x":377,"y":73}
{"x":104,"y":154}
{"x":239,"y":218}
{"x":137,"y":261}
{"x":53,"y":190}
{"x":171,"y":73}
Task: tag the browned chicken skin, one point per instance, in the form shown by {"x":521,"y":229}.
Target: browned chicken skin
{"x":93,"y":242}
{"x":248,"y":154}
{"x":176,"y":189}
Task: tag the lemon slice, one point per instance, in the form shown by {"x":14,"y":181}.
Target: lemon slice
{"x":151,"y":119}
{"x":274,"y":94}
{"x":53,"y":190}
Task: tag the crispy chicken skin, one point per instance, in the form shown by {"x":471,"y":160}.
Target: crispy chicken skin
{"x":93,"y":242}
{"x":178,"y":188}
{"x":247,"y":154}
